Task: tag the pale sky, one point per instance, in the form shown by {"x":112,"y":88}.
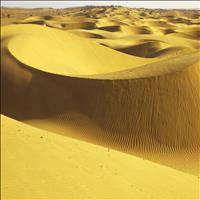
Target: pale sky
{"x":66,"y":4}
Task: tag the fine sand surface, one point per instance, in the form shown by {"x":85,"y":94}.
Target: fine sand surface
{"x":123,"y":83}
{"x":56,"y":166}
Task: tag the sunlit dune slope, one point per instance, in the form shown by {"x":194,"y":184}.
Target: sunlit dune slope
{"x":44,"y":161}
{"x":62,"y":52}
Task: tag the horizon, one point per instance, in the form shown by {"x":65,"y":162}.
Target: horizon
{"x":70,"y":4}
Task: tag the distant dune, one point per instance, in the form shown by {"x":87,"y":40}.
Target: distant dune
{"x":122,"y":78}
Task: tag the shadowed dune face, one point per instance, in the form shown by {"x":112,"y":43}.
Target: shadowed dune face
{"x":127,"y":79}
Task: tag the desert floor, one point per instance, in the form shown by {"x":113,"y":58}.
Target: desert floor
{"x":100,"y":103}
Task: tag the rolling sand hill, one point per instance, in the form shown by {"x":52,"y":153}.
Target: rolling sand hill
{"x":123,"y":83}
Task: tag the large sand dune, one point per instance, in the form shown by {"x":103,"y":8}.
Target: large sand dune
{"x":125,"y":79}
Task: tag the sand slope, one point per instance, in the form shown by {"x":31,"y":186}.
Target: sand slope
{"x":50,"y":161}
{"x":125,"y":79}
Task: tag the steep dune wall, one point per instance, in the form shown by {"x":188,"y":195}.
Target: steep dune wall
{"x":140,"y":109}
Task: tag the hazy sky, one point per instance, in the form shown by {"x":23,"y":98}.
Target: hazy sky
{"x":65,"y":4}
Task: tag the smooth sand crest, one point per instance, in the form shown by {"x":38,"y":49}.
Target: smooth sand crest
{"x":41,"y":42}
{"x":123,"y":79}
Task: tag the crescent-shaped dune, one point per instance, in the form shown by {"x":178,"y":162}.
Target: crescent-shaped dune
{"x":132,"y":88}
{"x":38,"y":40}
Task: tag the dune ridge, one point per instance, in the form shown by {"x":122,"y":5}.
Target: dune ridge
{"x":99,"y":76}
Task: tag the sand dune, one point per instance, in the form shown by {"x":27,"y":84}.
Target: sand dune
{"x":99,"y":76}
{"x":36,"y":46}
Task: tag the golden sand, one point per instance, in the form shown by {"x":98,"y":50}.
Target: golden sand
{"x":123,"y":83}
{"x":54,"y":166}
